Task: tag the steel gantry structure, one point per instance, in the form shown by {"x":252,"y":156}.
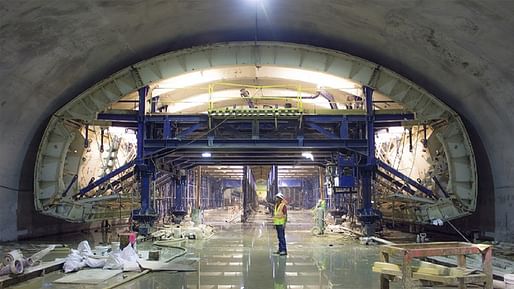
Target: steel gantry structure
{"x":275,"y":136}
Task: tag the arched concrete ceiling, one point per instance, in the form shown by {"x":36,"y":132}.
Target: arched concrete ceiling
{"x":460,"y":51}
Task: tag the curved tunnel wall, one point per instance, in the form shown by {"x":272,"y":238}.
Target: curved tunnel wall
{"x":55,"y":51}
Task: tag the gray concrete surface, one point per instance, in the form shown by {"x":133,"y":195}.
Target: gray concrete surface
{"x":458,"y":50}
{"x":240,"y":256}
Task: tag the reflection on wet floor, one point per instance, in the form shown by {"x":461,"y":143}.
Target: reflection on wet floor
{"x":240,"y":256}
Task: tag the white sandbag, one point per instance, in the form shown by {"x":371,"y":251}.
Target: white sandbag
{"x":95,"y":263}
{"x":129,"y":254}
{"x":131,"y":266}
{"x":84,"y":249}
{"x":114,"y":261}
{"x":73,"y":262}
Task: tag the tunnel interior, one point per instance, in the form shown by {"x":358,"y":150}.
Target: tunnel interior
{"x":141,"y":143}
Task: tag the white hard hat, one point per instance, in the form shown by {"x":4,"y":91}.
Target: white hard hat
{"x":280,"y":195}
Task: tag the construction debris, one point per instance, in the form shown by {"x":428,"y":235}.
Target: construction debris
{"x":182,"y":232}
{"x":14,"y":262}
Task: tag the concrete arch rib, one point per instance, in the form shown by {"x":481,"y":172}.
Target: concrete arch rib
{"x":51,"y":180}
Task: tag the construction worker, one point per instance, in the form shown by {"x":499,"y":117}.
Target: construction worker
{"x":280,"y":220}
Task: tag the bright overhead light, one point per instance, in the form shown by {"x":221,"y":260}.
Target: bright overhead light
{"x":206,"y":155}
{"x":187,"y":80}
{"x":308,"y":155}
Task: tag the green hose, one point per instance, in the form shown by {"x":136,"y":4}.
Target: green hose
{"x":167,"y":245}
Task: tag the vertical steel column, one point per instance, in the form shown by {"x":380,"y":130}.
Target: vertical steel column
{"x":370,"y":160}
{"x":321,"y":184}
{"x":155,"y":101}
{"x":198,"y":183}
{"x":244,"y":188}
{"x":367,"y":214}
{"x":146,"y":214}
{"x":275,"y":180}
{"x":141,"y":125}
{"x":179,"y":194}
{"x":144,"y":172}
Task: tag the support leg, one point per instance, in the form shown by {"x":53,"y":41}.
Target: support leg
{"x":384,"y":281}
{"x":461,"y":262}
{"x":407,"y":273}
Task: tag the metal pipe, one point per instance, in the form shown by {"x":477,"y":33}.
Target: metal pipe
{"x":73,"y":180}
{"x":410,"y":139}
{"x":325,"y":94}
{"x":86,"y":137}
{"x":102,"y":140}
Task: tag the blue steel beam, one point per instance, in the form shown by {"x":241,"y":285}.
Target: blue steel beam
{"x":120,"y":117}
{"x":404,"y":188}
{"x":321,"y":130}
{"x":106,"y":178}
{"x":190,"y":130}
{"x":132,"y":117}
{"x":405,"y":178}
{"x":158,"y":146}
{"x":73,"y":180}
{"x":178,"y":118}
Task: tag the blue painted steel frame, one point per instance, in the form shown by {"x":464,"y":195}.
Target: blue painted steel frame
{"x":178,"y":205}
{"x":405,"y":178}
{"x":146,"y":214}
{"x":367,"y":214}
{"x":335,"y":128}
{"x":106,"y":178}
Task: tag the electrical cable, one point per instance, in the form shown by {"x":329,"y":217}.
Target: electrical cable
{"x":457,"y":230}
{"x":184,"y":250}
{"x":14,"y":189}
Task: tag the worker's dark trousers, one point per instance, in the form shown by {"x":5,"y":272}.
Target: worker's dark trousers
{"x":281,"y":234}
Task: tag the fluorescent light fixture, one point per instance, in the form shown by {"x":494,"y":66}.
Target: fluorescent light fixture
{"x":308,"y":155}
{"x":187,"y":80}
{"x":206,"y":155}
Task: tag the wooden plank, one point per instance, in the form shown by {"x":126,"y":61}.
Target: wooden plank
{"x":384,"y":280}
{"x":455,"y":276}
{"x":452,"y":280}
{"x":407,"y":273}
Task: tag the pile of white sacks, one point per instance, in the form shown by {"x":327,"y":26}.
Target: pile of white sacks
{"x":125,"y":259}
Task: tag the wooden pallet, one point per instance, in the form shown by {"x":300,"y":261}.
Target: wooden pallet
{"x":458,"y":276}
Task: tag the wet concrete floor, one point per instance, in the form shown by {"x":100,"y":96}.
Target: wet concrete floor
{"x":241,"y":256}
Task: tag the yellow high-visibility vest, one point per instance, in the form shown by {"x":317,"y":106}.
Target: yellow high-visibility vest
{"x":278,"y":217}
